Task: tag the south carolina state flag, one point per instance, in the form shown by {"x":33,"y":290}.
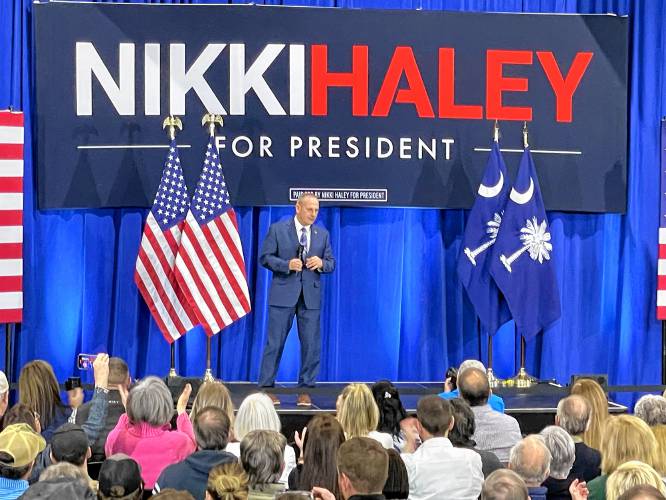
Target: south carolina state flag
{"x":522,"y":256}
{"x":480,"y":235}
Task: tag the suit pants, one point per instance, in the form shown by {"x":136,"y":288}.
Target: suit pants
{"x":280,"y":320}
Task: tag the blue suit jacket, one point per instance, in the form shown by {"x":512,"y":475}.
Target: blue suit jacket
{"x":279,"y":247}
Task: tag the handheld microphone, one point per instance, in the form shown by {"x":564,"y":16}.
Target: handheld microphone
{"x":301,"y":252}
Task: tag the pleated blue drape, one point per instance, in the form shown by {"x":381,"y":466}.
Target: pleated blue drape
{"x":394,"y":307}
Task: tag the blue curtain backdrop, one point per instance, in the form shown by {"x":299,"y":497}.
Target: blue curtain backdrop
{"x":394,"y":307}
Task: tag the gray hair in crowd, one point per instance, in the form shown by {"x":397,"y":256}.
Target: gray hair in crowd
{"x":262,"y":456}
{"x":471,"y":363}
{"x":573,"y":414}
{"x":504,"y":484}
{"x":530,"y":459}
{"x":256,"y":412}
{"x":62,"y":470}
{"x":150,"y":401}
{"x":562,"y":450}
{"x":651,"y":409}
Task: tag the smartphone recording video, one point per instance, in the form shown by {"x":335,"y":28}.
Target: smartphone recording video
{"x":85,"y":361}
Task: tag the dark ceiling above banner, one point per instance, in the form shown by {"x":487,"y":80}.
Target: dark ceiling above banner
{"x":365,"y":107}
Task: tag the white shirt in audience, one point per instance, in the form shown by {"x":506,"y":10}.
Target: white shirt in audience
{"x":383,"y":438}
{"x":437,"y":470}
{"x":289,"y":459}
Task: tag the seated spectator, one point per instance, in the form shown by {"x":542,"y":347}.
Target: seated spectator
{"x":495,"y":431}
{"x":19,"y":446}
{"x":70,"y":444}
{"x":262,"y":456}
{"x":504,"y":484}
{"x":630,"y":474}
{"x":60,"y":481}
{"x":391,"y":411}
{"x":214,"y":394}
{"x":651,"y":409}
{"x":437,"y":469}
{"x":257,"y":413}
{"x":397,"y":482}
{"x":530,"y":459}
{"x":120,"y":478}
{"x":322,"y":438}
{"x":495,"y":402}
{"x":462,"y":432}
{"x":143,"y":432}
{"x":573,"y":415}
{"x":227,"y":482}
{"x":625,"y":438}
{"x":211,"y":430}
{"x":598,"y":403}
{"x":359,"y":415}
{"x":39,"y":390}
{"x":562,"y":453}
{"x":119,"y":378}
{"x":642,"y":492}
{"x":362,"y":471}
{"x":171,"y":494}
{"x":659,"y":465}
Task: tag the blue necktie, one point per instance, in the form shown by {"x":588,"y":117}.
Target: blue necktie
{"x":304,"y":242}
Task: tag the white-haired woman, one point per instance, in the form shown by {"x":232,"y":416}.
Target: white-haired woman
{"x":144,"y":432}
{"x":257,"y":413}
{"x":563,"y":453}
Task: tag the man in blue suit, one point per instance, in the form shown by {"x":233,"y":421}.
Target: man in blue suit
{"x":297,"y":252}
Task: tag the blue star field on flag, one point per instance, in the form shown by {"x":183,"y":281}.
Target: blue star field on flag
{"x":171,"y":200}
{"x":211,"y":198}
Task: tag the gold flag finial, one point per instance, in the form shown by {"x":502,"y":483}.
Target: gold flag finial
{"x":211,"y":120}
{"x":525,"y":134}
{"x":173,"y":122}
{"x":496,"y":131}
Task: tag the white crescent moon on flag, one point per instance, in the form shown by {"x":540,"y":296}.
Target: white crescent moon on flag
{"x":492,"y":191}
{"x":522,"y":198}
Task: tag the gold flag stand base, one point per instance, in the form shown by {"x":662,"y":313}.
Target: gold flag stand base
{"x":522,"y":380}
{"x":493,"y":381}
{"x":208,"y":376}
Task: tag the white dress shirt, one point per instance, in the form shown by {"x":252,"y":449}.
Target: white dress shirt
{"x":299,"y":228}
{"x":289,"y":459}
{"x":438,"y":471}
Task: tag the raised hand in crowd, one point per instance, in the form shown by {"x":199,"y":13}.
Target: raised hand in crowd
{"x":75,"y":397}
{"x":181,"y":406}
{"x":578,"y":490}
{"x":101,"y":370}
{"x":299,"y":439}
{"x":322,"y":493}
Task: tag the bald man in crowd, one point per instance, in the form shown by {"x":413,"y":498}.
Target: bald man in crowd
{"x":530,"y":459}
{"x":495,"y":432}
{"x":573,"y":415}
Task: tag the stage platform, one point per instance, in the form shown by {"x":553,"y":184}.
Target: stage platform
{"x":534,"y":407}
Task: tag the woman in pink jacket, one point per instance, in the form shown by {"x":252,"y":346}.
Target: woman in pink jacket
{"x":144,"y":432}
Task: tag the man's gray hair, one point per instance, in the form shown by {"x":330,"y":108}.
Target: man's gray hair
{"x":256,"y":412}
{"x":62,"y":470}
{"x":530,"y":459}
{"x":262,"y":456}
{"x":651,"y":409}
{"x":504,"y":484}
{"x":562,"y":451}
{"x":471,"y":363}
{"x":573,"y":414}
{"x":150,"y":401}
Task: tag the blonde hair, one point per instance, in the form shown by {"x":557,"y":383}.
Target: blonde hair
{"x":359,"y":414}
{"x":596,"y":398}
{"x":627,"y":438}
{"x":39,"y":390}
{"x":632,"y":474}
{"x":659,"y":432}
{"x":213,"y":394}
{"x":256,"y":412}
{"x":228,"y":482}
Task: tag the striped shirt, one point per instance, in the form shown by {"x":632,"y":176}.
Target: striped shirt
{"x":495,"y":432}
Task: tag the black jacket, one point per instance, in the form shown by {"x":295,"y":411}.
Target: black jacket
{"x":192,"y":473}
{"x":115,"y":410}
{"x":587,"y":465}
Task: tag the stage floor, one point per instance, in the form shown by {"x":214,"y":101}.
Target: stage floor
{"x":534,"y":407}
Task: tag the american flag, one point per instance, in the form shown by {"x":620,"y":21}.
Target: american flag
{"x":210,"y":267}
{"x":661,"y":263}
{"x":11,"y":217}
{"x":154,"y":273}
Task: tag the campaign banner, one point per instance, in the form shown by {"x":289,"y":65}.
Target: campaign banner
{"x":370,"y":108}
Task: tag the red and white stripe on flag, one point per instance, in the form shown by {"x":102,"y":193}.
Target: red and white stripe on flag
{"x":661,"y":275}
{"x":11,"y":217}
{"x":210,"y":269}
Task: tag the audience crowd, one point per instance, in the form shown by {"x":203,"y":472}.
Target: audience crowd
{"x":459,"y":445}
